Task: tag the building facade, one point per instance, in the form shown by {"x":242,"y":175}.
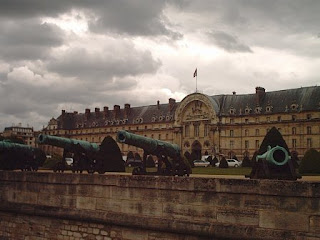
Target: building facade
{"x":229,"y":125}
{"x":24,"y":133}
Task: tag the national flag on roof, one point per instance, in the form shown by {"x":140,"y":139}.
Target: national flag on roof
{"x":195,"y":73}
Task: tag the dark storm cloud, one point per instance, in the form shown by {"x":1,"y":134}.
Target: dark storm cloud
{"x":28,"y":39}
{"x":228,"y":42}
{"x":138,"y":18}
{"x":105,"y":64}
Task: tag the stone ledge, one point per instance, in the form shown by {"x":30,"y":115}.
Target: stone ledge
{"x":178,"y":226}
{"x":221,"y":185}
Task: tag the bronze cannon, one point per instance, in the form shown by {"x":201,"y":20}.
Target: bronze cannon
{"x":20,"y":156}
{"x":87,"y":156}
{"x":168,"y":154}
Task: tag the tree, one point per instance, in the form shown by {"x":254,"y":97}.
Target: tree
{"x":188,"y":156}
{"x":246,"y":162}
{"x":214,"y":161}
{"x":150,"y":162}
{"x":310,"y":162}
{"x":223,"y":163}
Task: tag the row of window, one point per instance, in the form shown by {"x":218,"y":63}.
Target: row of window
{"x":257,"y":131}
{"x":279,"y":119}
{"x":196,"y":130}
{"x":257,"y":144}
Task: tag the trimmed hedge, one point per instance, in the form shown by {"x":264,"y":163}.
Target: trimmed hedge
{"x":310,"y":162}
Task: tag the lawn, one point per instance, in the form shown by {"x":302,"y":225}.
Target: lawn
{"x":209,"y":170}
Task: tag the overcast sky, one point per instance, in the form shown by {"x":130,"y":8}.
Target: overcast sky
{"x":81,"y":54}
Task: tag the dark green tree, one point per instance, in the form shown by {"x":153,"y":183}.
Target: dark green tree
{"x":150,"y":162}
{"x":214,"y":161}
{"x":223,"y":163}
{"x":310,"y":162}
{"x":246,"y":162}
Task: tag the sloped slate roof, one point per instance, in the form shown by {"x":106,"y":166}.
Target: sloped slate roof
{"x":283,"y":101}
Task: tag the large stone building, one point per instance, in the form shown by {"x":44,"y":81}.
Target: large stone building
{"x":200,"y":124}
{"x":26,"y":134}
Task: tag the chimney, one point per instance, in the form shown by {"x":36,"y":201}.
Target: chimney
{"x":105,"y":111}
{"x":63,"y":112}
{"x":116,"y":110}
{"x":126,"y":110}
{"x":97,"y":112}
{"x":234,"y":93}
{"x":75,"y":112}
{"x":87,"y":113}
{"x":158,"y":104}
{"x":260,"y":94}
{"x":172,"y":103}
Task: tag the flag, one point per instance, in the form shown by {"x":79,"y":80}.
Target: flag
{"x":195,"y":73}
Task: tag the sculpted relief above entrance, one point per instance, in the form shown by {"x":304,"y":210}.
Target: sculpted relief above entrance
{"x":195,"y":107}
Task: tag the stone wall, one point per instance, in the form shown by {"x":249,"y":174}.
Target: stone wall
{"x":75,"y":206}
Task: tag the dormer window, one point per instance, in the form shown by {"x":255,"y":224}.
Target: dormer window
{"x":258,"y":110}
{"x":232,"y":111}
{"x":247,"y":110}
{"x":294,"y":107}
{"x":269,"y":109}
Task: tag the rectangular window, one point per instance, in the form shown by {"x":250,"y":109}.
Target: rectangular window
{"x":308,"y":116}
{"x":231,"y":121}
{"x":268,"y":119}
{"x":309,"y":143}
{"x":257,"y":132}
{"x":231,"y":133}
{"x":308,"y":130}
{"x":246,"y":132}
{"x":294,"y":131}
{"x":206,"y":130}
{"x":246,"y":120}
{"x":231,"y":144}
{"x":294,"y":143}
{"x":196,"y":130}
{"x":187,"y":130}
{"x":257,"y":144}
{"x":279,"y":118}
{"x":246,"y":144}
{"x":294,"y":117}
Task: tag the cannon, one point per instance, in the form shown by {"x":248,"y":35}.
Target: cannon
{"x":275,"y":163}
{"x":19,"y":156}
{"x":87,"y":156}
{"x":161,"y":149}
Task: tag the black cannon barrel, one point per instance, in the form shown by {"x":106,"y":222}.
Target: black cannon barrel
{"x":150,"y":145}
{"x":66,"y":143}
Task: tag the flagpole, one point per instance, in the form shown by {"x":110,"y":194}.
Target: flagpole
{"x":197,"y":83}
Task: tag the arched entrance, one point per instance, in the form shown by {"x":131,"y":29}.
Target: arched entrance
{"x":196,"y":150}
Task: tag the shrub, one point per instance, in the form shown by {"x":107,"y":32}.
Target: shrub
{"x":188,"y":156}
{"x":223,"y":163}
{"x":214,"y":161}
{"x":310,"y":162}
{"x":246,"y":162}
{"x":150,"y":162}
{"x":51,"y":162}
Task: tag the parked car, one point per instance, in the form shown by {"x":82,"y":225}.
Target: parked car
{"x":69,"y":161}
{"x":201,"y":163}
{"x":233,"y":163}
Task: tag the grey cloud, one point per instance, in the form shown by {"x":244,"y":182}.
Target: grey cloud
{"x":78,"y":62}
{"x":137,"y":18}
{"x":228,"y":42}
{"x":28,"y":39}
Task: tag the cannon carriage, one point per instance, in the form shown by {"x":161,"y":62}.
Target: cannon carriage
{"x":170,"y":160}
{"x":87,"y":156}
{"x":20,"y":156}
